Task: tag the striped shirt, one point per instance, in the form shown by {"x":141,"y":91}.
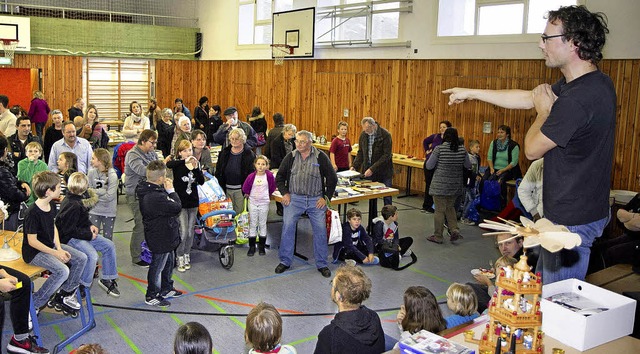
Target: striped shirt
{"x":305,"y":178}
{"x":447,"y":178}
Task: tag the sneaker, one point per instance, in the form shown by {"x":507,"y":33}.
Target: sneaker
{"x":157,"y":301}
{"x":172,"y":293}
{"x":467,"y":222}
{"x":325,"y":272}
{"x":187,"y":261}
{"x":110,"y":286}
{"x":180,"y":264}
{"x":71,"y":300}
{"x":26,"y":346}
{"x":281,"y":268}
{"x":142,"y":264}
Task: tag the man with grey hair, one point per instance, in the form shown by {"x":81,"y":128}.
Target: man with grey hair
{"x":304,"y":192}
{"x":374,"y":158}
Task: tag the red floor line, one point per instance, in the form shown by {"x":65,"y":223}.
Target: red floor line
{"x":212,"y":298}
{"x":243,"y":303}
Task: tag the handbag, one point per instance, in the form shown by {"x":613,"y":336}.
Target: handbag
{"x":210,"y":191}
{"x":242,"y":225}
{"x":261,"y":139}
{"x":334,"y":228}
{"x":490,"y":196}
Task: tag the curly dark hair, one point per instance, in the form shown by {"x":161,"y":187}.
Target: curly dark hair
{"x":587,"y":30}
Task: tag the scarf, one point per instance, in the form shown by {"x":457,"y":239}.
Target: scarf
{"x":502,"y":146}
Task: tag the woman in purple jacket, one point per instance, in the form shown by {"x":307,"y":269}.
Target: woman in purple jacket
{"x":39,"y":112}
{"x":430,"y":143}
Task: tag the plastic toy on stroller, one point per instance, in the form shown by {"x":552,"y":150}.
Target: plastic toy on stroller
{"x":218,"y":234}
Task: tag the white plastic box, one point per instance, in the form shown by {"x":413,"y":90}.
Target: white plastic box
{"x":585,"y":332}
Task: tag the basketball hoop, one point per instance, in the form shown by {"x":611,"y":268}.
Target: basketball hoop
{"x":279,"y":51}
{"x":9,"y":47}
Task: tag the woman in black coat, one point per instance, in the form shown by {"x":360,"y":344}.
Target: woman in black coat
{"x":235,"y":163}
{"x":282,"y":145}
{"x":12,"y":191}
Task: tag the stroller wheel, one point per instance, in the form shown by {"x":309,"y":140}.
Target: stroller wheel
{"x":226,"y":256}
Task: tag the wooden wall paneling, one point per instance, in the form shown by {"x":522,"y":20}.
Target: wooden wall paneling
{"x":404,"y":95}
{"x":61,"y":76}
{"x":633,"y":125}
{"x":617,"y":74}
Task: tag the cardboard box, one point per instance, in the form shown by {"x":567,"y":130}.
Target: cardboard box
{"x":582,"y":331}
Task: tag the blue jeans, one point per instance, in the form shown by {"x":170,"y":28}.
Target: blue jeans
{"x":159,"y":276}
{"x":567,"y":264}
{"x":91,"y":249}
{"x":137,"y":234}
{"x":469,"y":196}
{"x":187,"y":219}
{"x":304,"y":204}
{"x":62,"y":276}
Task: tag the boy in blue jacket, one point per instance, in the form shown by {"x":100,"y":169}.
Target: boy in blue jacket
{"x":160,"y":206}
{"x":356,"y":243}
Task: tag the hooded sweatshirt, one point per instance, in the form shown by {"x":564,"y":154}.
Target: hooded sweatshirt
{"x":357,"y":331}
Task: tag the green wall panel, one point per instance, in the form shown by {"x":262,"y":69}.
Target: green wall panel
{"x":107,"y":39}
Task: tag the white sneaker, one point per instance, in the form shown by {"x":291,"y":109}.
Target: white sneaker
{"x":181,"y":267}
{"x":187,"y":262}
{"x":71,"y":301}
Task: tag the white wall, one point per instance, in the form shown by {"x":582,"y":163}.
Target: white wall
{"x":219,"y":24}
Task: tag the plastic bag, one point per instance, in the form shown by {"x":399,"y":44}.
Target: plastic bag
{"x":242,"y":225}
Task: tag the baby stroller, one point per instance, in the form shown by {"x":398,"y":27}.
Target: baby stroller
{"x":217,"y":233}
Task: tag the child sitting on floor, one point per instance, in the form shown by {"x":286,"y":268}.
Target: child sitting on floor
{"x":386,"y":238}
{"x":356,"y":243}
{"x":463,"y":302}
{"x":192,"y":338}
{"x":264,"y":331}
{"x":419,"y":311}
{"x":76,"y":230}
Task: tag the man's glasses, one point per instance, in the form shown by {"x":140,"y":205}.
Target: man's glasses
{"x":154,"y":142}
{"x":545,"y":37}
{"x":302,"y":142}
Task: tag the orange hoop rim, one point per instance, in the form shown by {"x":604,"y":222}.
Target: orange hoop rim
{"x":283,"y":48}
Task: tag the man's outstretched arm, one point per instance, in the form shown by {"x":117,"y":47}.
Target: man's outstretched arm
{"x":512,"y":99}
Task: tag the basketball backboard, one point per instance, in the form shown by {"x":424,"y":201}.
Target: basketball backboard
{"x":295,"y":29}
{"x":17,"y":28}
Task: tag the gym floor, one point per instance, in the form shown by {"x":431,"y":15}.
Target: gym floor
{"x":220,"y":298}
